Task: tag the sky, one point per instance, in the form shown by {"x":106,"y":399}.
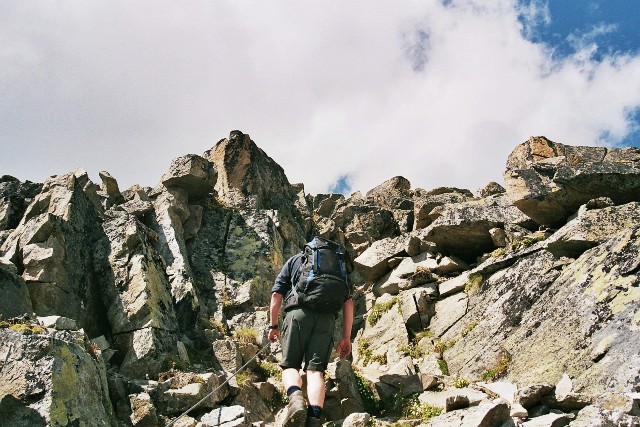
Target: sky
{"x":343,"y":95}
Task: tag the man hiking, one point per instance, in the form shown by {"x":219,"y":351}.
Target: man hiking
{"x":314,"y":286}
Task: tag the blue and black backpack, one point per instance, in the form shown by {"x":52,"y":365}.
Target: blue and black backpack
{"x":321,"y":281}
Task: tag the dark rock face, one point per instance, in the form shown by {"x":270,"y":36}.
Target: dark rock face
{"x":15,"y":196}
{"x":549,"y":181}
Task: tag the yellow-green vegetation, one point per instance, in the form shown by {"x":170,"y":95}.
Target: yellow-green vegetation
{"x":370,"y":399}
{"x":217,"y":325}
{"x":411,"y":350}
{"x":422,"y":334}
{"x":498,"y":370}
{"x":379,"y":309}
{"x":245,"y":379}
{"x":444,"y":368}
{"x":499,"y":252}
{"x":459,"y":382}
{"x":246,"y":336}
{"x":440,"y":346}
{"x":524,"y":243}
{"x":28,"y":329}
{"x":470,"y":327}
{"x":365,"y":351}
{"x":268,"y":370}
{"x":411,"y":407}
{"x":473,"y":283}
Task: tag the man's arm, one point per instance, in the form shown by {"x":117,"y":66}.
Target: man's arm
{"x":274,"y":311}
{"x":344,"y":346}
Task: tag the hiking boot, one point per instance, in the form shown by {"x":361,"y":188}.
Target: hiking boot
{"x":296,"y":410}
{"x":313,"y":422}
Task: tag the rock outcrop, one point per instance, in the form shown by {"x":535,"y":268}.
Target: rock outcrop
{"x":549,"y":181}
{"x":127,"y":307}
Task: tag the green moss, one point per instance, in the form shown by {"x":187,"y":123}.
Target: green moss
{"x":26,"y":328}
{"x":411,"y":350}
{"x":217,"y":326}
{"x":498,"y":252}
{"x":422,"y":334}
{"x":470,"y":327}
{"x":379,"y":309}
{"x":245,"y":379}
{"x":473,"y":283}
{"x":444,"y":368}
{"x":246,"y":336}
{"x":365,"y":351}
{"x":370,"y":399}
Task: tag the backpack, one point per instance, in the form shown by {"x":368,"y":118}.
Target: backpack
{"x":321,"y":282}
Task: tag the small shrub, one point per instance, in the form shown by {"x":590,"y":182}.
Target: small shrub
{"x":380,"y":358}
{"x":411,"y":350}
{"x":498,"y":252}
{"x":268,"y":370}
{"x":276,"y":402}
{"x":422,"y":334}
{"x":217,"y":325}
{"x":459,"y":382}
{"x":27,"y":328}
{"x":440,"y":346}
{"x":364,"y":350}
{"x":498,"y":370}
{"x":411,"y":407}
{"x":379,"y":309}
{"x":246,"y":336}
{"x":524,"y":243}
{"x":245,"y":379}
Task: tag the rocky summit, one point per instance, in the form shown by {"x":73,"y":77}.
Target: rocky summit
{"x":515,"y":305}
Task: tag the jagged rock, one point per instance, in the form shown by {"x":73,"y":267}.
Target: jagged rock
{"x":485,"y":415}
{"x":171,"y":212}
{"x":504,"y":390}
{"x":403,"y":377}
{"x":549,"y":420}
{"x":325,"y":204}
{"x":518,"y":411}
{"x":14,"y":295}
{"x":417,"y":307}
{"x":343,"y":398}
{"x":549,"y":181}
{"x":531,"y":396}
{"x":491,"y":189}
{"x":51,"y":379}
{"x":618,"y":402}
{"x":453,"y":286}
{"x":53,"y":245}
{"x":591,"y":228}
{"x":463,"y":228}
{"x":193,"y":174}
{"x":225,"y":416}
{"x":15,"y":196}
{"x":137,"y":208}
{"x":256,"y":409}
{"x":372,"y":263}
{"x":228,"y":354}
{"x":425,"y":202}
{"x":392,"y":193}
{"x":593,"y":416}
{"x":143,"y":413}
{"x":456,"y":402}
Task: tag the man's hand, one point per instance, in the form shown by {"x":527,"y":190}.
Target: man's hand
{"x":344,"y":348}
{"x":274,"y":334}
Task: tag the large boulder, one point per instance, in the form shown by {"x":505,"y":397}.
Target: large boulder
{"x":464,"y":228}
{"x":192,"y":173}
{"x":549,"y":181}
{"x":426,"y":201}
{"x":52,"y":378}
{"x":14,"y":295}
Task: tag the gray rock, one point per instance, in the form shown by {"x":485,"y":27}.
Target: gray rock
{"x":361,"y":419}
{"x":491,"y":189}
{"x":50,"y":378}
{"x":463,"y":228}
{"x":531,"y":396}
{"x":59,"y":323}
{"x":14,"y":295}
{"x":485,"y":415}
{"x":456,"y":402}
{"x":15,"y":196}
{"x":192,"y":173}
{"x":228,"y":354}
{"x":425,"y":202}
{"x":448,"y":312}
{"x":549,"y":420}
{"x":372,"y":263}
{"x":549,"y":181}
{"x":143,"y":413}
{"x":593,"y":416}
{"x":417,"y":308}
{"x":226,"y":416}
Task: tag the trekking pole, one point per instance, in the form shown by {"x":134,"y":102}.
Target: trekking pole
{"x":218,"y":388}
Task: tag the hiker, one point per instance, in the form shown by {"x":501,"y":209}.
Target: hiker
{"x":314,"y":286}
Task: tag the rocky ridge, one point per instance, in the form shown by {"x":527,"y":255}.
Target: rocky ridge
{"x":516,"y":307}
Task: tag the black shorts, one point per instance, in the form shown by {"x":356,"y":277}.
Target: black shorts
{"x":307,"y":335}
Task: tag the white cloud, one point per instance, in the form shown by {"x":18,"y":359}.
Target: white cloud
{"x":438,"y":92}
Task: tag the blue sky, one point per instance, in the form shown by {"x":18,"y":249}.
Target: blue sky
{"x":440,"y":92}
